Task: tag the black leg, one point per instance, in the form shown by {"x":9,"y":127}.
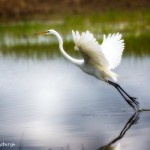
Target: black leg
{"x":130,"y":100}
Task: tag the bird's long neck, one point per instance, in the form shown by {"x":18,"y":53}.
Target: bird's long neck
{"x":72,"y":60}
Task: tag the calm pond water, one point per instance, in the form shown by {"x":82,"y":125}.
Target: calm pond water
{"x":49,"y":103}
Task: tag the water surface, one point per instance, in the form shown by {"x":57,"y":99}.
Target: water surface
{"x":50,"y":103}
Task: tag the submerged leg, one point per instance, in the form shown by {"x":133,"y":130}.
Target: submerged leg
{"x":130,"y":100}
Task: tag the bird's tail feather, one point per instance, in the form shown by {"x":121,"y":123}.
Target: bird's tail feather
{"x":113,"y":75}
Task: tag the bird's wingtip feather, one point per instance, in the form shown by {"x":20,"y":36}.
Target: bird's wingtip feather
{"x":104,"y":37}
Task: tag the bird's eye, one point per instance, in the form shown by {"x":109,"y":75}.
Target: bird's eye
{"x":48,"y":32}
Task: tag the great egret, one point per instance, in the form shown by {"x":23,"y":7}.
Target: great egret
{"x":98,"y":60}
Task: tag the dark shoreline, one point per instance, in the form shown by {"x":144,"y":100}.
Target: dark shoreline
{"x":38,"y":9}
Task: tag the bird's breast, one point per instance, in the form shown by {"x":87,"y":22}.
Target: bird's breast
{"x":95,"y":70}
{"x":89,"y":69}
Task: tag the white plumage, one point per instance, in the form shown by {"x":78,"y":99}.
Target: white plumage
{"x":107,"y":55}
{"x":98,"y":60}
{"x":112,"y":48}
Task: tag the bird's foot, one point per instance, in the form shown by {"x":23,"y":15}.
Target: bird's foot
{"x":134,"y":99}
{"x":131,"y":103}
{"x":134,"y":103}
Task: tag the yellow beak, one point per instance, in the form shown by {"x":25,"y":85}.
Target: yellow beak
{"x":41,"y":33}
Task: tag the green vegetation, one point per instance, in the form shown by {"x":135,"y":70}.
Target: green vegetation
{"x":17,"y":38}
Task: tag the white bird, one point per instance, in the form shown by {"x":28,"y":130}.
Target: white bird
{"x":98,"y":59}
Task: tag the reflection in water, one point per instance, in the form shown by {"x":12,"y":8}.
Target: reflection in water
{"x":132,"y":120}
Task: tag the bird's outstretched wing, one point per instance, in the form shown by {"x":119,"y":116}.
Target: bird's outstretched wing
{"x":112,"y":48}
{"x":89,"y":48}
{"x":107,"y":55}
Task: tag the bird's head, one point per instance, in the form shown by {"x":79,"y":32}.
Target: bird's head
{"x":51,"y":31}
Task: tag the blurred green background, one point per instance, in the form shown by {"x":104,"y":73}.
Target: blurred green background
{"x":19,"y":20}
